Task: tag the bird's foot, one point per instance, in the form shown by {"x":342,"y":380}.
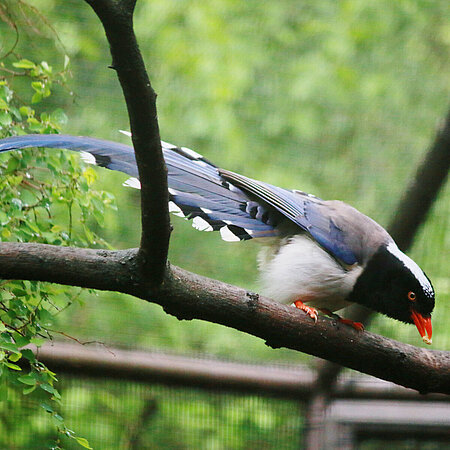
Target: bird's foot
{"x":312,"y":312}
{"x":358,"y":326}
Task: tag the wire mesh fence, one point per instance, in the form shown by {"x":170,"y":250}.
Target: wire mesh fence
{"x":113,"y":414}
{"x":121,"y":399}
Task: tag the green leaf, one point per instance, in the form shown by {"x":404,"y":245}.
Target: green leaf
{"x":21,"y":341}
{"x":45,"y":317}
{"x":46,"y":92}
{"x":15,"y":112}
{"x":58,"y":117}
{"x":33,"y":121}
{"x":28,"y":354}
{"x":28,"y":390}
{"x":50,"y":389}
{"x":38,"y":86}
{"x":4,"y":219}
{"x":27,"y":379}
{"x":46,"y":67}
{"x":5,"y":118}
{"x":13,"y":164}
{"x":10,"y":347}
{"x":15,"y":357}
{"x":47,"y":407}
{"x":19,"y":292}
{"x":6,"y":233}
{"x":83,"y":442}
{"x":12,"y":366}
{"x":36,"y":98}
{"x":24,"y":64}
{"x":3,"y":104}
{"x":26,"y":111}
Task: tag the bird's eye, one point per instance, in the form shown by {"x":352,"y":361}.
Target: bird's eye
{"x":411,"y":296}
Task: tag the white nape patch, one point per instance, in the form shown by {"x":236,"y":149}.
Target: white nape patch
{"x":206,"y":210}
{"x":201,"y":224}
{"x":176,"y":210}
{"x":126,"y":133}
{"x":132,"y":182}
{"x":412,"y":266}
{"x":88,"y":158}
{"x":191,"y":153}
{"x":227,"y":235}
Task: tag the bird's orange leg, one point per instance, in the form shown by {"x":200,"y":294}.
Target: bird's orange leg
{"x":312,"y":312}
{"x":356,"y":325}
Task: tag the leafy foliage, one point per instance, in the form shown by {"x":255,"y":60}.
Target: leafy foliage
{"x":46,"y":198}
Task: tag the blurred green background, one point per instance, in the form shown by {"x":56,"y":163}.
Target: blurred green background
{"x":339,"y":99}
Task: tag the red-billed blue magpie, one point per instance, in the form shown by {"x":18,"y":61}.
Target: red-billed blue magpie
{"x":320,"y":254}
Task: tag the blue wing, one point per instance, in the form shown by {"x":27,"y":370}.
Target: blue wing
{"x":196,"y":189}
{"x":239,"y":207}
{"x":310,"y":213}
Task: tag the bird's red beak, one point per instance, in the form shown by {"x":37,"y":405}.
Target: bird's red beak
{"x":423,"y":324}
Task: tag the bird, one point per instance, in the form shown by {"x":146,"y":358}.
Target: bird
{"x":319,"y":255}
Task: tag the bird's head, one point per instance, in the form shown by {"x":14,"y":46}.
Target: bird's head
{"x":393,"y":284}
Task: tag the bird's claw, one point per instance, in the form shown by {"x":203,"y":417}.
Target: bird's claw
{"x":358,"y":326}
{"x":312,"y":312}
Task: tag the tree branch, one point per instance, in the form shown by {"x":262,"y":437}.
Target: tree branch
{"x":189,"y":296}
{"x":418,"y":198}
{"x":117,"y":20}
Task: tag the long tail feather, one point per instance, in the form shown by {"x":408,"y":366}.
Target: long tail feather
{"x":197,"y":191}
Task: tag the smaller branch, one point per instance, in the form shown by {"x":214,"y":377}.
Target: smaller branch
{"x":423,"y":190}
{"x":12,"y":72}
{"x":117,"y":20}
{"x":5,"y":16}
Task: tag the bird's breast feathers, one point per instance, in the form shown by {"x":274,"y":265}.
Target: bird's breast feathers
{"x":296,"y":268}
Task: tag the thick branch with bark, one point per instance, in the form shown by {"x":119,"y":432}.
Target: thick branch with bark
{"x":190,"y":296}
{"x":117,"y":20}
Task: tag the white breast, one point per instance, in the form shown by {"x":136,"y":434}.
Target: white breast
{"x":299,"y":269}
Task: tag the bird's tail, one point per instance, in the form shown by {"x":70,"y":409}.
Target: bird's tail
{"x":196,"y":189}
